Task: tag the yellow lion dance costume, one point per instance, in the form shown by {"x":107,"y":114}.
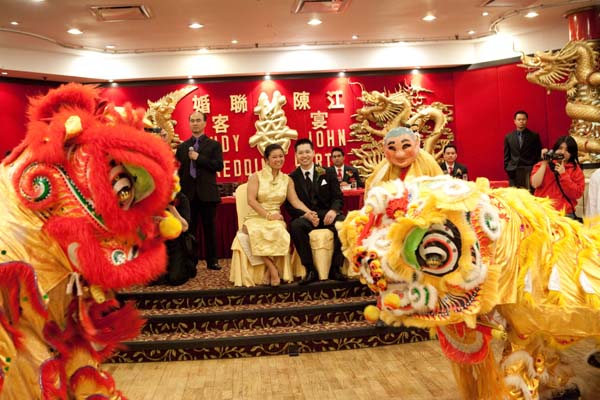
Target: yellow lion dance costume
{"x":82,"y":200}
{"x":474,"y":263}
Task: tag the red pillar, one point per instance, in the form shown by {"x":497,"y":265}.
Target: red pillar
{"x":584,"y":23}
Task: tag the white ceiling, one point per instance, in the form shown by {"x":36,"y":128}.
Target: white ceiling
{"x":267,"y":32}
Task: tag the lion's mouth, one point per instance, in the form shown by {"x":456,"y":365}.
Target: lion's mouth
{"x":452,"y":304}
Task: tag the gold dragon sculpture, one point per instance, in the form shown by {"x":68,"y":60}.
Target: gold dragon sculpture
{"x":382,"y":111}
{"x":573,"y":69}
{"x":159,"y":113}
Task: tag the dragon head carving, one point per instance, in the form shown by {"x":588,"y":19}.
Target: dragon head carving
{"x":418,"y":245}
{"x":97,"y":183}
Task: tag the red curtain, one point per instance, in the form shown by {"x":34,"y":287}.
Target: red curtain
{"x":483,"y":101}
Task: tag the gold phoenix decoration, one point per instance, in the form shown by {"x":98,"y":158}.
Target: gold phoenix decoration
{"x":573,"y":69}
{"x":271,"y":126}
{"x":386,"y":111}
{"x":159,"y":113}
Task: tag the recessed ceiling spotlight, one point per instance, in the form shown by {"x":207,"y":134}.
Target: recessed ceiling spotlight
{"x":14,"y":23}
{"x":341,"y":74}
{"x":354,"y":37}
{"x":429,"y":18}
{"x":111,"y":80}
{"x":74,"y":31}
{"x":471,"y":32}
{"x":531,"y":14}
{"x":4,"y":73}
{"x":234,"y":41}
{"x":315,"y":21}
{"x":195,"y":25}
{"x":190,"y":76}
{"x":268,"y":76}
{"x":415,"y":71}
{"x":203,"y":50}
{"x":110,"y":46}
{"x":485,"y":13}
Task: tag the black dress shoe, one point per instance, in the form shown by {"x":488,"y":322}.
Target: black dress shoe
{"x":310,"y":277}
{"x":594,"y":359}
{"x":214,"y":267}
{"x":337,"y":276}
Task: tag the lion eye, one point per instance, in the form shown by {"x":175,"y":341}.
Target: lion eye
{"x":439,"y":250}
{"x":122,"y":185}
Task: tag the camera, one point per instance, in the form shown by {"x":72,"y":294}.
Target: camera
{"x":551,"y":155}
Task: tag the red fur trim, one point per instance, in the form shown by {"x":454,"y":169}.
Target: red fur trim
{"x":72,"y":95}
{"x":53,"y":380}
{"x":18,"y":278}
{"x":105,"y":385}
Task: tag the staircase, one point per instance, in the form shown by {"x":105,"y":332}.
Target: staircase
{"x":190,"y":323}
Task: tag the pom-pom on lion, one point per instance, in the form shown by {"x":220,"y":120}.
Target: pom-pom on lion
{"x":82,"y":200}
{"x":473,"y":263}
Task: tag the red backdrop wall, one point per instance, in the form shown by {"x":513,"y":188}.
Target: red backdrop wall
{"x":483,"y":101}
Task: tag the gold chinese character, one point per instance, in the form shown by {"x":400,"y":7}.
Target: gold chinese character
{"x":334,"y":97}
{"x":220,"y":123}
{"x":301,"y":100}
{"x":271,"y":126}
{"x":319,"y":120}
{"x":202,"y":104}
{"x":239,"y":103}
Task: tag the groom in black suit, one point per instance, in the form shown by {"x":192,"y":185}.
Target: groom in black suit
{"x":320,"y":191}
{"x":200,"y":158}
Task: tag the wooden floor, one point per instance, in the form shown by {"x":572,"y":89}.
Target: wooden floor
{"x":409,"y":371}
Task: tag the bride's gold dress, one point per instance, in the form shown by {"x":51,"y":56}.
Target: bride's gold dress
{"x":269,"y":237}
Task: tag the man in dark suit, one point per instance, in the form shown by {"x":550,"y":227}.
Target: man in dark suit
{"x":320,"y":191}
{"x":200,"y":158}
{"x":522,"y":149}
{"x":346,"y":174}
{"x":450,"y":166}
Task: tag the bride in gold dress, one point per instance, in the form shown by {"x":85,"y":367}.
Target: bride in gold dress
{"x":264,"y":224}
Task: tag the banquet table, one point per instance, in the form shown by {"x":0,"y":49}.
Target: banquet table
{"x":227,"y":220}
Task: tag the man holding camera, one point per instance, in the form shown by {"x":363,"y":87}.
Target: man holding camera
{"x":522,"y":148}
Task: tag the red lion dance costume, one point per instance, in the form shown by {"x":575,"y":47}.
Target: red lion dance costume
{"x":81,"y":198}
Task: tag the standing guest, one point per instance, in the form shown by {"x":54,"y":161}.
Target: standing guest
{"x":346,"y":174}
{"x":200,"y":159}
{"x":559,"y":177}
{"x":264,"y":224}
{"x":320,"y":191}
{"x":522,"y":149}
{"x":450,"y":166}
{"x":404,"y":159}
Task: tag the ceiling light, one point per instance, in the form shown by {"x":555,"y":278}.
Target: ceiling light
{"x":190,"y":76}
{"x":110,"y":46}
{"x":195,"y":25}
{"x":485,"y":13}
{"x":341,"y":74}
{"x":14,"y":23}
{"x":203,"y":50}
{"x":471,"y":32}
{"x":234,"y":41}
{"x":429,"y":18}
{"x":415,"y":71}
{"x":315,"y":21}
{"x":531,"y":14}
{"x":354,"y":37}
{"x":74,"y":31}
{"x":267,"y":76}
{"x":4,"y":73}
{"x":111,"y":80}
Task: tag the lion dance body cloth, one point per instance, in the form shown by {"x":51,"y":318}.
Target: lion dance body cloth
{"x":82,"y":199}
{"x":474,"y":263}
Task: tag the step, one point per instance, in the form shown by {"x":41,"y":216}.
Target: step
{"x":303,"y":338}
{"x":157,"y":298}
{"x":253,"y":316}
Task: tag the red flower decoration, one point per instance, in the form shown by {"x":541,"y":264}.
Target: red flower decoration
{"x":399,"y":204}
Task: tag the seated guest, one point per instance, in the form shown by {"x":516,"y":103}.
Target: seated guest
{"x":346,"y":174}
{"x":320,"y":191}
{"x":404,"y":159}
{"x":450,"y":166}
{"x":264,"y":224}
{"x":558,"y":176}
